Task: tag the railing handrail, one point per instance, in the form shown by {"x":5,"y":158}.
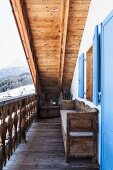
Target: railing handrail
{"x":10,"y":100}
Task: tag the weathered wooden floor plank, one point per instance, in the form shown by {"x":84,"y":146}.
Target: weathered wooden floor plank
{"x":45,"y":151}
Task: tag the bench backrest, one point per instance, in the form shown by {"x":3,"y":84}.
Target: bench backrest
{"x":82,"y":122}
{"x":67,"y":105}
{"x":77,"y":105}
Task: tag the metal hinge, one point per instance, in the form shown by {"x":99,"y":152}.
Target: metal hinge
{"x":99,"y":96}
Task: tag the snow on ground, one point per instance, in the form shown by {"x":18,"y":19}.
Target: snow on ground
{"x":17,"y":92}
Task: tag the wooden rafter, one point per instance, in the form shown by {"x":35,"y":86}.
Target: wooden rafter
{"x":21,"y":22}
{"x":65,"y":14}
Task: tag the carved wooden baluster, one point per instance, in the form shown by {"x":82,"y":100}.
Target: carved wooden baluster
{"x":23,"y":122}
{"x":32,"y":110}
{"x":1,"y":145}
{"x":28,"y":111}
{"x":3,"y":138}
{"x":27,"y":114}
{"x":35,"y":107}
{"x":4,"y":130}
{"x":5,"y":115}
{"x":10,"y":128}
{"x":32,"y":113}
{"x":13,"y":129}
{"x":15,"y":122}
{"x":18,"y":124}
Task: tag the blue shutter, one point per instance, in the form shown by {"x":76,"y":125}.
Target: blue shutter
{"x":95,"y":66}
{"x":81,"y":77}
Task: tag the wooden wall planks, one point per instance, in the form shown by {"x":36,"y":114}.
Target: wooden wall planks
{"x":89,"y":74}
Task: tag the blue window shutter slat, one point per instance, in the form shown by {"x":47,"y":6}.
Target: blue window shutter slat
{"x":81,"y":77}
{"x":96,"y":66}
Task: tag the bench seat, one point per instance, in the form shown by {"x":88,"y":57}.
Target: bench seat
{"x":64,"y":123}
{"x":79,"y":128}
{"x":80,"y":134}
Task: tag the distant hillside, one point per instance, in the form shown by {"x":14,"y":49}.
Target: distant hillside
{"x":9,"y":72}
{"x":13,"y":77}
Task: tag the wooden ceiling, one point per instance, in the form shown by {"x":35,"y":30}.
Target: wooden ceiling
{"x":51,"y":32}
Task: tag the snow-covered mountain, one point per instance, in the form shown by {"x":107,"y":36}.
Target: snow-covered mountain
{"x":14,"y":77}
{"x":9,"y":72}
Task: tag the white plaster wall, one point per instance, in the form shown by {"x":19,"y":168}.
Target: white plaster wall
{"x":98,"y":11}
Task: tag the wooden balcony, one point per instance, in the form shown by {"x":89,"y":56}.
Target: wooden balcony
{"x":44,"y":150}
{"x":41,"y":147}
{"x":50,"y":33}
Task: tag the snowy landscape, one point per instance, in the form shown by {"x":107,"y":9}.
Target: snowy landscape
{"x":17,"y":92}
{"x":15,"y":82}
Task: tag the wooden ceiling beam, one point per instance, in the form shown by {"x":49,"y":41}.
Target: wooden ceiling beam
{"x":65,"y":14}
{"x":21,"y":21}
{"x":78,"y":11}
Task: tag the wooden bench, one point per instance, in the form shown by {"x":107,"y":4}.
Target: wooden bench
{"x":79,"y":128}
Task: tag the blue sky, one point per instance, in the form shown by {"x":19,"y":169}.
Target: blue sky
{"x":11,"y":50}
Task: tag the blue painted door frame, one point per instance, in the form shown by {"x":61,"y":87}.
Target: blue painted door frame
{"x":107,"y":93}
{"x":81,"y":76}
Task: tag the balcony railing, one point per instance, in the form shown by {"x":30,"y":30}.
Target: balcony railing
{"x":16,"y":116}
